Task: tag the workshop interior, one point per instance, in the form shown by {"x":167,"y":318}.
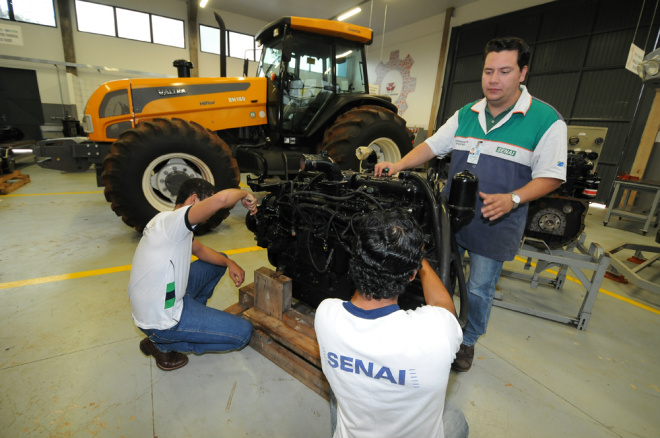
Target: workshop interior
{"x":106,"y":107}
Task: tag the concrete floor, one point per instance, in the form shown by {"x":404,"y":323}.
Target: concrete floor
{"x":70,"y":364}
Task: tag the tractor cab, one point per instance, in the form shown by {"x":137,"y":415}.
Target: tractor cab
{"x":310,"y":64}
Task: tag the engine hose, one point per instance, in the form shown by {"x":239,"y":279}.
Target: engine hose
{"x":445,"y":239}
{"x":440,"y":216}
{"x":445,"y":246}
{"x":457,"y":263}
{"x":311,"y":257}
{"x":314,"y":180}
{"x":286,"y":166}
{"x":342,"y":198}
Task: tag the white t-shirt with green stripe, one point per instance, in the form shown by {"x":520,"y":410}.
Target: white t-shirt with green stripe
{"x":159,"y":275}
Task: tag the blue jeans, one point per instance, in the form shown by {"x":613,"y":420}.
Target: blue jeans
{"x":202,"y":329}
{"x":484,"y":273}
{"x":453,"y":419}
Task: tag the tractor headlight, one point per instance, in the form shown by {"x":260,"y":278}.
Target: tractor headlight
{"x":87,"y":124}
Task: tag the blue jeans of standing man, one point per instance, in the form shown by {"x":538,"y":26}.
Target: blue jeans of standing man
{"x":202,"y":329}
{"x":484,"y":273}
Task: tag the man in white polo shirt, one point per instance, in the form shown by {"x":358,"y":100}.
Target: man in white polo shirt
{"x":387,"y":367}
{"x":516,"y":145}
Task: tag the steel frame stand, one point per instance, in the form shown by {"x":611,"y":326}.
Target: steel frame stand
{"x":625,"y":210}
{"x":631,"y":274}
{"x":593,"y":259}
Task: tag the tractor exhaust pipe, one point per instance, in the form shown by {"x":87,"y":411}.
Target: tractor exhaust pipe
{"x":223,"y":45}
{"x":183,"y":67}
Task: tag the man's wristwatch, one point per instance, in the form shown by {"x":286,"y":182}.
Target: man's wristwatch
{"x":516,"y":200}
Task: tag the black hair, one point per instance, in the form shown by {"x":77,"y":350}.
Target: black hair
{"x":387,"y":252}
{"x":194,"y":186}
{"x":509,"y":43}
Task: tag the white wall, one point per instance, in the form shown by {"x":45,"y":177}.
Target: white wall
{"x":39,"y":42}
{"x":422,"y":42}
{"x":210,"y":63}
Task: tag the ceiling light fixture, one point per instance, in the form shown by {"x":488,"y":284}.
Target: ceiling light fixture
{"x":203,"y":3}
{"x":350,"y":13}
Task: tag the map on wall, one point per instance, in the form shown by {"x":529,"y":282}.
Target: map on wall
{"x":395,"y":81}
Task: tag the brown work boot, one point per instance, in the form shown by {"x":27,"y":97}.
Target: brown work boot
{"x":169,"y":361}
{"x":463,"y":361}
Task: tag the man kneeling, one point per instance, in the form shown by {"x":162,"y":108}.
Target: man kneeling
{"x":168,"y":293}
{"x":388,"y":368}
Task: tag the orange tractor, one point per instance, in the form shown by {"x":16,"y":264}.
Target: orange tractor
{"x":311,"y":94}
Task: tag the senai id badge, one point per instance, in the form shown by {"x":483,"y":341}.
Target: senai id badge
{"x":475,"y":152}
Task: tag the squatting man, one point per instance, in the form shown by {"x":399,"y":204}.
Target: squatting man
{"x":168,"y":293}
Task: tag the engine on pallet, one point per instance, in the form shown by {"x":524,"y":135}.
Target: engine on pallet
{"x":558,"y":218}
{"x":309,"y":224}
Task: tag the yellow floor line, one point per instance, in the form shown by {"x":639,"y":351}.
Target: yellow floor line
{"x":94,"y":272}
{"x":53,"y":194}
{"x":629,"y":301}
{"x":116,"y":269}
{"x":601,"y":290}
{"x":54,"y":278}
{"x":74,"y":193}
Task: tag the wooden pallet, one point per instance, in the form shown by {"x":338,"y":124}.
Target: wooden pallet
{"x":12,"y":181}
{"x":282,"y":334}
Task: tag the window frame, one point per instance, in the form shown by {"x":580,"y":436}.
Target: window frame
{"x":12,"y":16}
{"x":228,"y":42}
{"x":116,"y":24}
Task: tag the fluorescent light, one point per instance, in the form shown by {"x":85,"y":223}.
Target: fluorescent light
{"x":348,"y":14}
{"x":203,"y":3}
{"x":344,"y":55}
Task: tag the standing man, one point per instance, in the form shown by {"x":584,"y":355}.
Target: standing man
{"x":516,"y":146}
{"x":389,"y":368}
{"x":168,"y":293}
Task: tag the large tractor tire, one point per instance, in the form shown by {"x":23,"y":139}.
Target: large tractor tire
{"x":375,"y":127}
{"x":147,"y":165}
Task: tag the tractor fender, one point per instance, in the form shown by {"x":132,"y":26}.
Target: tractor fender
{"x":343,"y":103}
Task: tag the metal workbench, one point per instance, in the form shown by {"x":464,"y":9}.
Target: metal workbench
{"x":624,"y":188}
{"x":575,"y":257}
{"x":631,"y":274}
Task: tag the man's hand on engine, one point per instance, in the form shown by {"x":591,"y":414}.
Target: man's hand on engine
{"x":380,"y":169}
{"x":250,"y":202}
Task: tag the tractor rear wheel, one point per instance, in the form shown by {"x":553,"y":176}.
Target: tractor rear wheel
{"x":147,"y":165}
{"x":375,"y":127}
